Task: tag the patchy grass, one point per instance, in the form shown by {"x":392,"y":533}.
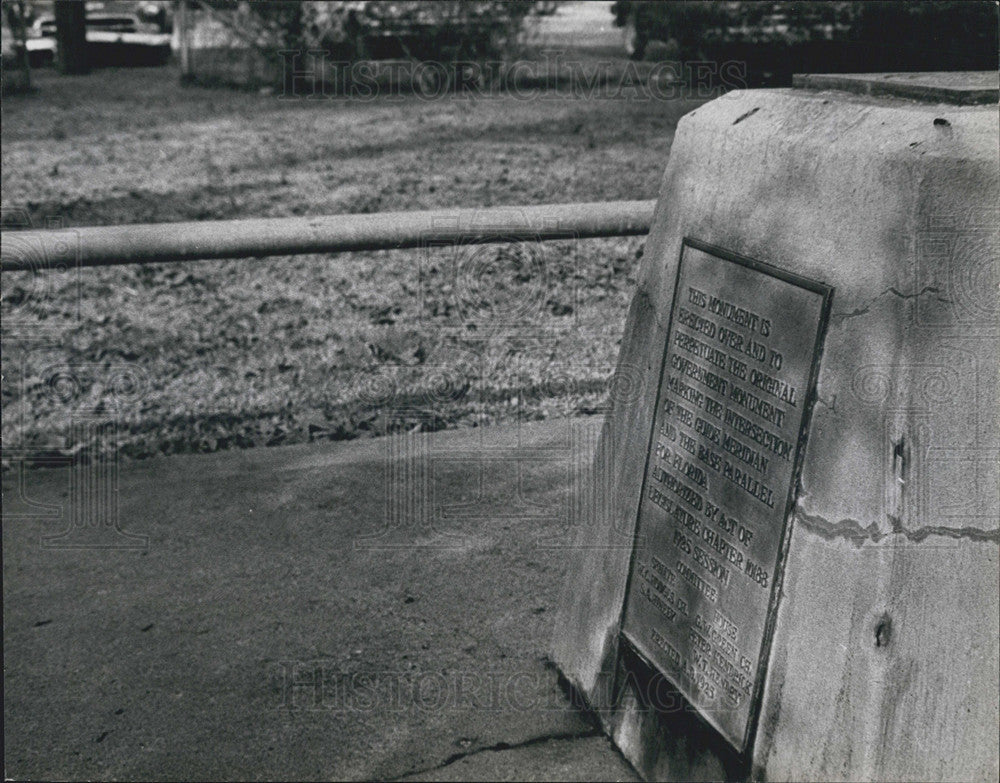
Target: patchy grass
{"x":202,"y":356}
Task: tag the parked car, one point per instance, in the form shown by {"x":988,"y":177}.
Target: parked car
{"x":111,"y":38}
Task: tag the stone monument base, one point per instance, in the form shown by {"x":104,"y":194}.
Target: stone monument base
{"x":796,"y":574}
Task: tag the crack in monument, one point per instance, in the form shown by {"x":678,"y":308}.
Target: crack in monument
{"x":895,"y":292}
{"x":852,"y":530}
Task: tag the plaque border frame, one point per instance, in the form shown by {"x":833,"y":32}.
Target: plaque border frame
{"x":826,"y":292}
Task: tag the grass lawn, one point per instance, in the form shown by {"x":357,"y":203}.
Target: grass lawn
{"x":210,"y":355}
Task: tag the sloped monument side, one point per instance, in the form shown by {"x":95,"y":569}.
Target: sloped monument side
{"x":796,"y":573}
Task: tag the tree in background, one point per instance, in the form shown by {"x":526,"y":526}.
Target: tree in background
{"x":71,"y":36}
{"x":445,"y":31}
{"x":15,"y":18}
{"x":930,"y":36}
{"x":777,"y":39}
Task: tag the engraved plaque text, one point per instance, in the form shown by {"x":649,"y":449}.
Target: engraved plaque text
{"x":743,"y":348}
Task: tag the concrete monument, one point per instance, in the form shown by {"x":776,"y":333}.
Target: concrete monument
{"x":797,"y":574}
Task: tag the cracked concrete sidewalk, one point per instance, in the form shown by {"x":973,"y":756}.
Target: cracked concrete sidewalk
{"x":297,"y":614}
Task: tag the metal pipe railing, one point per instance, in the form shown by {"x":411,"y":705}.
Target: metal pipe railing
{"x":257,"y":238}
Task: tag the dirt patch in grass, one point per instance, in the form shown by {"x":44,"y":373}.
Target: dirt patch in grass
{"x":203,"y":356}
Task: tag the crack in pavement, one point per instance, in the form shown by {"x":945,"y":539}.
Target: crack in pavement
{"x":502,"y":746}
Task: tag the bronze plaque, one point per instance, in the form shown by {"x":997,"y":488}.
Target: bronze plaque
{"x":736,"y":387}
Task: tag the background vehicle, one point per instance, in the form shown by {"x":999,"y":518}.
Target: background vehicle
{"x":111,"y":39}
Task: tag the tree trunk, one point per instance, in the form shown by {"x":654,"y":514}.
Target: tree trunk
{"x":71,"y":36}
{"x":15,"y":19}
{"x":182,"y":29}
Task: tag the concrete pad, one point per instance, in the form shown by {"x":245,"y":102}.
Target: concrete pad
{"x":583,"y":759}
{"x":301,"y":612}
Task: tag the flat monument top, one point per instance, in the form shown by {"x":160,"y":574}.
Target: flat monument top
{"x":960,"y":87}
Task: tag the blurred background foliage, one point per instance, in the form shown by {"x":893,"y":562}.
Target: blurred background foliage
{"x":781,"y":38}
{"x":774,"y":39}
{"x":424,"y":29}
{"x":248,"y":44}
{"x":339,"y":31}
